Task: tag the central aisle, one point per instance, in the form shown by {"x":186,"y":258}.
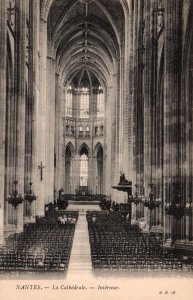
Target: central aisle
{"x":80,"y":259}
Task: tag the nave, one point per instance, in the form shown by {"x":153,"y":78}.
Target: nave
{"x":96,"y":105}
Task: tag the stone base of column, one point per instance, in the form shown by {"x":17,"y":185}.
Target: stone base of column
{"x":168,"y":244}
{"x":40,"y":214}
{"x":141,"y":223}
{"x":2,"y":240}
{"x":19,"y":228}
{"x":157,"y":229}
{"x":134,"y":221}
{"x":146,"y":229}
{"x":9,"y":229}
{"x":29,"y":220}
{"x":50,"y":199}
{"x":184,"y":247}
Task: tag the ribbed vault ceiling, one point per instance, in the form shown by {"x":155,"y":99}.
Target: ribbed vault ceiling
{"x":86,"y":35}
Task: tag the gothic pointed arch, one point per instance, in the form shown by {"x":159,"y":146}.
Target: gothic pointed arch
{"x":84,"y":149}
{"x":70,"y":147}
{"x":97,"y":147}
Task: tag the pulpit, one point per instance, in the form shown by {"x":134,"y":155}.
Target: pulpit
{"x":125,"y":186}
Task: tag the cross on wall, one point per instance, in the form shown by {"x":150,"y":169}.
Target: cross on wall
{"x":41,"y":167}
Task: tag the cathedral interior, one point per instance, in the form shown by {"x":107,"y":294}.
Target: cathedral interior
{"x":96,"y":135}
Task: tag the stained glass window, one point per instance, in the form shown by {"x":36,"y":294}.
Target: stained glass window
{"x":84,"y":103}
{"x":100,"y":103}
{"x":83,"y":169}
{"x":69,"y":98}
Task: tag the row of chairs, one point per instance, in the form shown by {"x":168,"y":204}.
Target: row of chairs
{"x":117,"y":245}
{"x":45,"y":245}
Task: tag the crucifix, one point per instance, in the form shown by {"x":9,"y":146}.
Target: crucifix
{"x":41,"y":167}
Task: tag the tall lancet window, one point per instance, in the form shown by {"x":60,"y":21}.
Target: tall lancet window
{"x":84,"y":103}
{"x":84,"y":167}
{"x":69,"y":98}
{"x":100,"y":103}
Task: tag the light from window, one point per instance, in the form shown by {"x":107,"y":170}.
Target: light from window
{"x":69,"y":97}
{"x":83,"y":170}
{"x":100,"y":103}
{"x":84,"y":103}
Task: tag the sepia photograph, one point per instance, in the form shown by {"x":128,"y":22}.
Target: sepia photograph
{"x":96,"y":149}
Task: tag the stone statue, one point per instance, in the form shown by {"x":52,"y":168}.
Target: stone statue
{"x":61,"y":192}
{"x":123,"y":181}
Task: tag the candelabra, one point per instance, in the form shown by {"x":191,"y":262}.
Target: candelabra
{"x":15,"y":198}
{"x":136,"y":199}
{"x":30,"y":196}
{"x":188,"y":209}
{"x":176,"y":208}
{"x":151,"y":203}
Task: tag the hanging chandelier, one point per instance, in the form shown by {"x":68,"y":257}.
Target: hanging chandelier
{"x":150,"y":202}
{"x":15,"y":198}
{"x":176,"y":208}
{"x":135,"y":198}
{"x":30,"y":196}
{"x":188,"y":209}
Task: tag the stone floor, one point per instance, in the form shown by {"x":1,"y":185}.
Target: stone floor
{"x":80,"y":259}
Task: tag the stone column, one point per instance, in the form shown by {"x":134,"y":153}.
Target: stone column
{"x":20,"y":82}
{"x":31,"y":48}
{"x":120,"y":110}
{"x":40,"y":127}
{"x":3,"y":43}
{"x":75,"y":172}
{"x":147,"y":85}
{"x":35,"y":99}
{"x":95,"y":178}
{"x":128,"y":105}
{"x":50,"y":130}
{"x":115,"y":138}
{"x":107,"y":143}
{"x":90,"y":170}
{"x":59,"y":137}
{"x":136,"y":91}
{"x":171,"y":104}
{"x":91,"y":158}
{"x":186,"y":123}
